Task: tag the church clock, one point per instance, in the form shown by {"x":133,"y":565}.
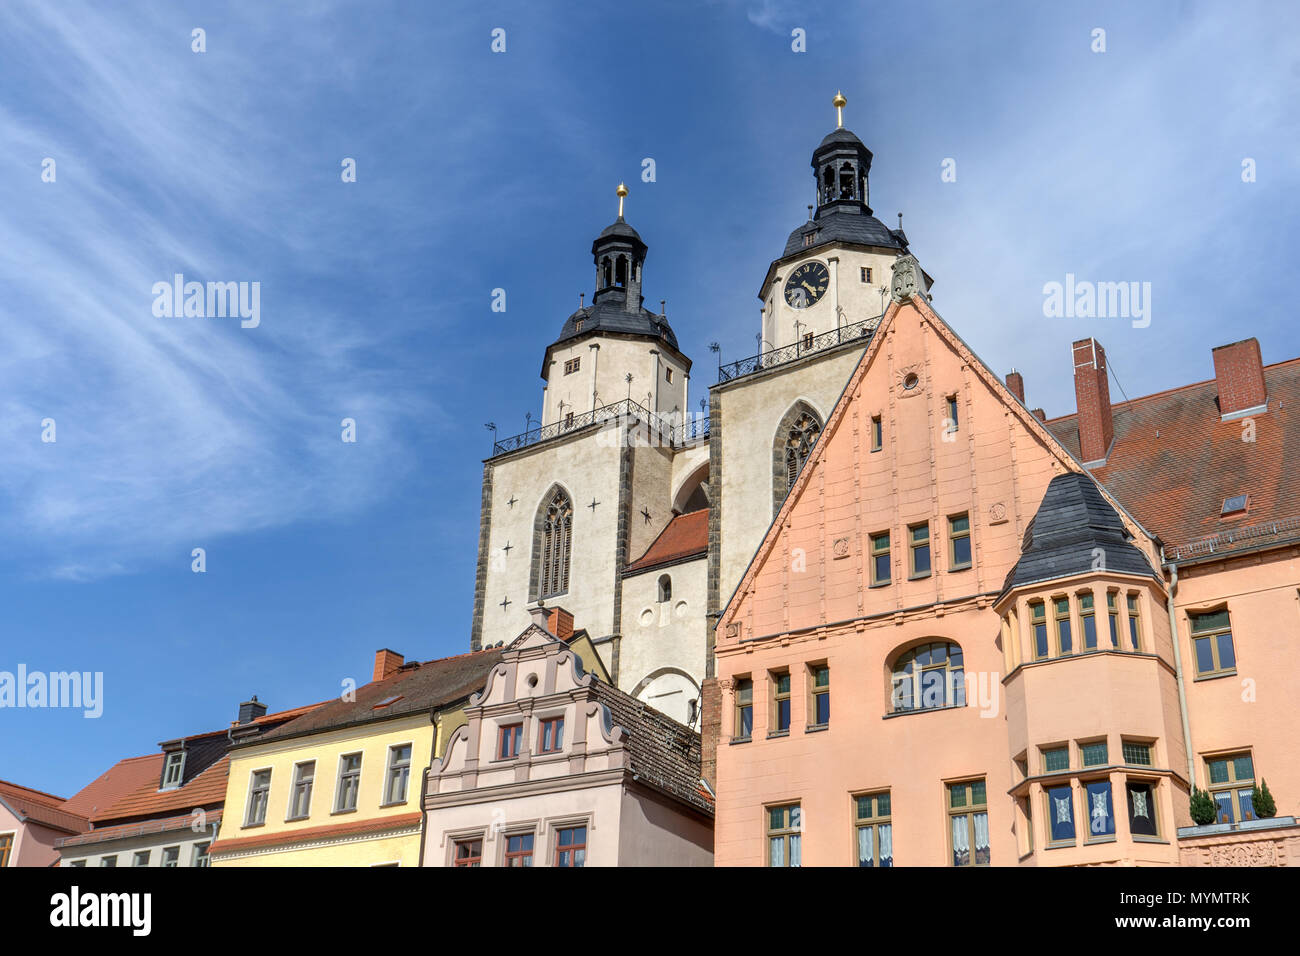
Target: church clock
{"x":806,"y":285}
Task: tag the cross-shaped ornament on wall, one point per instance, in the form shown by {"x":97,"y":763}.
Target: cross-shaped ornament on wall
{"x":512,"y":501}
{"x":506,"y":549}
{"x":505,"y":604}
{"x":593,"y":504}
{"x":645,"y":513}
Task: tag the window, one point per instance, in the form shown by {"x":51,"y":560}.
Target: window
{"x":258,"y":792}
{"x":880,"y":565}
{"x":919,"y":540}
{"x":799,"y":444}
{"x":1234,"y":504}
{"x":1088,"y":621}
{"x":744,"y":709}
{"x":173,"y":770}
{"x":1136,"y":753}
{"x":668,"y":374}
{"x":950,"y":406}
{"x":345,"y":794}
{"x":1134,"y":627}
{"x":6,"y":849}
{"x":781,"y":702}
{"x":1101,"y":812}
{"x":571,"y":847}
{"x":808,"y":238}
{"x":1232,"y":776}
{"x":875,"y":833}
{"x":552,"y":735}
{"x":1061,"y":613}
{"x":807,"y":340}
{"x":171,"y":857}
{"x":783,"y":839}
{"x":1112,"y":609}
{"x":300,"y":796}
{"x":568,"y":419}
{"x":1038,"y":621}
{"x":877,"y":433}
{"x":141,"y":858}
{"x":959,"y":542}
{"x":77,"y":863}
{"x":864,"y":272}
{"x":110,"y":861}
{"x":519,"y":850}
{"x":1060,"y":814}
{"x":399,"y":774}
{"x":1094,"y":754}
{"x":820,"y":705}
{"x":572,"y":365}
{"x":1212,"y":641}
{"x":509,"y":738}
{"x":578,"y":324}
{"x":665,"y":588}
{"x":556,"y":541}
{"x":928,"y":677}
{"x":468,"y":853}
{"x":200,"y":856}
{"x":1056,"y":760}
{"x":968,"y":822}
{"x":1141,"y":809}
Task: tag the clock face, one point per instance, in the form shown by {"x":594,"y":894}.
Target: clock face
{"x":806,"y":285}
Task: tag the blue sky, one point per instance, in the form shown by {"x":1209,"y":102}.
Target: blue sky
{"x":479,"y":170}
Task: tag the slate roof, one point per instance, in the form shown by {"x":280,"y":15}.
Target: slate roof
{"x":684,"y":536}
{"x":36,"y":806}
{"x":1073,"y":519}
{"x":840,"y":137}
{"x":608,"y":315}
{"x":417,"y":687}
{"x":844,"y":224}
{"x":665,"y":755}
{"x":1173,"y":462}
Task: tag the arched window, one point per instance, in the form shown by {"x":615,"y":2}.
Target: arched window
{"x":828,"y":184}
{"x":928,"y":677}
{"x":620,"y":272}
{"x":606,"y":273}
{"x":798,"y":445}
{"x":555,"y":534}
{"x":665,"y":588}
{"x":847,"y":179}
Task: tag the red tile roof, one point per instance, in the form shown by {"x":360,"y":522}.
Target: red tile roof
{"x":684,"y":537}
{"x":114,"y":783}
{"x":398,"y":821}
{"x":1173,"y":462}
{"x":124,"y":831}
{"x":40,"y":807}
{"x":205,"y":790}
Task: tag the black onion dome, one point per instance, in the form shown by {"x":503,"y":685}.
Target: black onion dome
{"x":609,"y":315}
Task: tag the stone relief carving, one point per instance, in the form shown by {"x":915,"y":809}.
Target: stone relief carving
{"x":907,"y":278}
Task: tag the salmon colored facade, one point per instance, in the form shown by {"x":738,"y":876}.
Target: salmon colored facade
{"x":997,"y":682}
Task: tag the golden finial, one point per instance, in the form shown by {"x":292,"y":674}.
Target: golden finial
{"x":839,"y":103}
{"x":622,"y":192}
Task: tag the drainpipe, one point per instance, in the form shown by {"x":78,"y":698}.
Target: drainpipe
{"x":1172,"y":568}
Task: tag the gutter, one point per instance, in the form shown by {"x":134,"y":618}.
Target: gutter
{"x":1172,"y":568}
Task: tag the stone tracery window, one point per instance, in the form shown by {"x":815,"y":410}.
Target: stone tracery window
{"x":798,"y":446}
{"x":556,"y":544}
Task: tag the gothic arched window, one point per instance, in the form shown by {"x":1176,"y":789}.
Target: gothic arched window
{"x":606,"y":274}
{"x":795,"y":438}
{"x":555,"y":541}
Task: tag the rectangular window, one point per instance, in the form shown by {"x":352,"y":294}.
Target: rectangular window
{"x":468,"y":853}
{"x":1088,"y":620}
{"x":1038,"y":621}
{"x":668,"y":373}
{"x":1061,"y":613}
{"x":1101,"y":812}
{"x":820,"y":708}
{"x":807,"y":340}
{"x":300,"y":796}
{"x":783,"y":836}
{"x":959,"y":555}
{"x":258,"y":793}
{"x":519,"y":850}
{"x":1232,"y":778}
{"x":509,"y":738}
{"x":808,"y":238}
{"x":950,"y":406}
{"x":968,"y":822}
{"x":864,"y":272}
{"x":1212,"y":642}
{"x":171,"y":857}
{"x":1094,"y":754}
{"x":744,"y":709}
{"x":551,"y":739}
{"x":875,"y":832}
{"x":399,"y":774}
{"x":1112,"y":608}
{"x":919,"y":539}
{"x":141,"y":858}
{"x":571,"y":847}
{"x":173,"y":770}
{"x":572,"y":365}
{"x":877,"y":433}
{"x":77,"y":863}
{"x":199,"y":857}
{"x":1060,"y":814}
{"x":1056,"y":760}
{"x":349,"y":785}
{"x":6,"y":848}
{"x":1139,"y":754}
{"x":880,"y":565}
{"x":110,"y":861}
{"x":1141,"y":809}
{"x":1134,"y":627}
{"x":781,"y":702}
{"x":578,"y":324}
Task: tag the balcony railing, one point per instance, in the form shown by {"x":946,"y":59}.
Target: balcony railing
{"x":670,"y":429}
{"x":1235,"y":539}
{"x":859,"y":332}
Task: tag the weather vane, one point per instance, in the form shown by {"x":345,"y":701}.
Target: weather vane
{"x":839,"y":103}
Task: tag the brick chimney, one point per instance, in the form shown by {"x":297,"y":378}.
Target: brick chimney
{"x":560,"y":623}
{"x":1239,"y":371}
{"x":1039,"y":414}
{"x":386,"y":663}
{"x":250,"y":710}
{"x":1092,"y":399}
{"x":710,"y":729}
{"x":1016,"y":383}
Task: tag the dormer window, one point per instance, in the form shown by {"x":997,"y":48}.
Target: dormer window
{"x":808,"y":238}
{"x":1234,"y":505}
{"x":577,"y":324}
{"x":173,"y":770}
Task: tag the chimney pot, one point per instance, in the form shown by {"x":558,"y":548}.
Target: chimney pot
{"x":1092,"y":400}
{"x":386,"y":663}
{"x":1239,"y":372}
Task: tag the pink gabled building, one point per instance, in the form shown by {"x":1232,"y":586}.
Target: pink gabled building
{"x":974,"y":637}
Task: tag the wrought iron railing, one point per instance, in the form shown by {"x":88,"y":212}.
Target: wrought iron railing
{"x":859,"y":332}
{"x":1232,"y":540}
{"x":653,"y":429}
